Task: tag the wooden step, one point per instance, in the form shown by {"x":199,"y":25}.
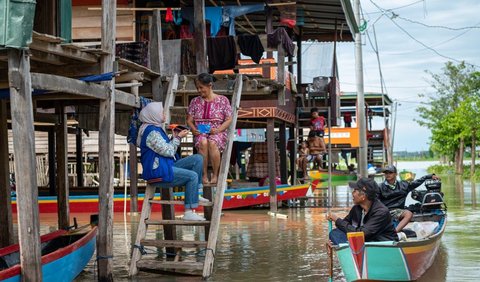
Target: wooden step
{"x":172,"y":202}
{"x":174,"y":243}
{"x":151,"y":264}
{"x":176,"y":222}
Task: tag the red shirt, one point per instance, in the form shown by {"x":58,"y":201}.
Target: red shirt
{"x":318,"y":123}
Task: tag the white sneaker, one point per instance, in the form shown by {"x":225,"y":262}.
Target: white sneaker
{"x":402,"y":236}
{"x":203,"y":200}
{"x":192,"y":216}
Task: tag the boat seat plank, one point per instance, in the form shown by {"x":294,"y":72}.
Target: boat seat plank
{"x":176,"y":222}
{"x":174,"y":243}
{"x":158,"y":265}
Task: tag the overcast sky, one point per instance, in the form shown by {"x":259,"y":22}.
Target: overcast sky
{"x":404,"y":60}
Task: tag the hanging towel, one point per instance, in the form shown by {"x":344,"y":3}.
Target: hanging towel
{"x":278,"y":36}
{"x":222,"y":53}
{"x":250,"y":45}
{"x":169,"y":15}
{"x":231,"y":12}
{"x":212,"y":14}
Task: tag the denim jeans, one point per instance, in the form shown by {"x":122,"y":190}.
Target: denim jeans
{"x":189,"y":172}
{"x":337,"y":236}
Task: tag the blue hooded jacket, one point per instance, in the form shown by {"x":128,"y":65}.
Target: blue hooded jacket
{"x":155,"y":165}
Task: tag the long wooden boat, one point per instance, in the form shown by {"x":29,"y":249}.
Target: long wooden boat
{"x":337,"y":176}
{"x":233,"y":198}
{"x":394,"y":261}
{"x":64,"y":255}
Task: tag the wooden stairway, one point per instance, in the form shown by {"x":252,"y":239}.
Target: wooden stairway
{"x":204,"y":243}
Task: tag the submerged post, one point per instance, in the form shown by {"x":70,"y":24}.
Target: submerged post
{"x":106,"y":142}
{"x":25,"y":164}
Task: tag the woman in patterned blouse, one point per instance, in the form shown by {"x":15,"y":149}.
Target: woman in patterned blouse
{"x":209,"y":110}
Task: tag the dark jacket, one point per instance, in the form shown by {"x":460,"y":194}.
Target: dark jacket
{"x":394,"y":197}
{"x":377,"y":224}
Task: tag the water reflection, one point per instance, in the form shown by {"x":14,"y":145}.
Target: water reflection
{"x":254,"y":246}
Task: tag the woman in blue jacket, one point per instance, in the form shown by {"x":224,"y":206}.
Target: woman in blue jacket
{"x":160,"y":167}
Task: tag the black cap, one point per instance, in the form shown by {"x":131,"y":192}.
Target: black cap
{"x":367,"y":186}
{"x":390,"y":168}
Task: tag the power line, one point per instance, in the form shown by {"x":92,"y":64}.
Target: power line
{"x":394,"y":15}
{"x":418,"y":41}
{"x":398,"y":8}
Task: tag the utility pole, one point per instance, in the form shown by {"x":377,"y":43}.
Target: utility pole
{"x":361,"y":120}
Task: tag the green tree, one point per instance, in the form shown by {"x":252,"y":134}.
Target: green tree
{"x":452,"y":87}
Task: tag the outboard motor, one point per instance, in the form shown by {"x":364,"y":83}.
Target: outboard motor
{"x":432,"y":198}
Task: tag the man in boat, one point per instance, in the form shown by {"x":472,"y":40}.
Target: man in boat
{"x":368,"y":215}
{"x":393,"y":193}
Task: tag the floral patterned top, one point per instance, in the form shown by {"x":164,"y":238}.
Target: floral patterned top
{"x":213,"y":113}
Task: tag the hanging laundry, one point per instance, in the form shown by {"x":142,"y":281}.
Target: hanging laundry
{"x":278,"y":36}
{"x":189,"y":64}
{"x":169,"y":15}
{"x":250,"y":45}
{"x":177,"y":17}
{"x":212,"y":14}
{"x":185,"y":32}
{"x":288,"y":14}
{"x":222,"y":53}
{"x":231,"y":12}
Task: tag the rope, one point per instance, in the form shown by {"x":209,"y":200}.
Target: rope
{"x":104,"y":257}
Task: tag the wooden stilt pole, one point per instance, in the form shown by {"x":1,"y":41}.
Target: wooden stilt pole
{"x":156,"y":55}
{"x":62,"y":173}
{"x":6,"y":232}
{"x":133,"y":166}
{"x":200,"y":37}
{"x":25,"y":164}
{"x":272,"y":164}
{"x":106,"y":142}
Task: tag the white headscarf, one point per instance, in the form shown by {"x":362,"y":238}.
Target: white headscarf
{"x":152,"y":114}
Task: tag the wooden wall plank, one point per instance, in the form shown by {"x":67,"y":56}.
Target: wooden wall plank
{"x":25,"y":164}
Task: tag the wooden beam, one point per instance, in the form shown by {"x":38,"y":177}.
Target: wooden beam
{"x":271,"y":152}
{"x":68,"y":85}
{"x":6,"y":232}
{"x":106,"y":143}
{"x":156,"y":55}
{"x":25,"y":164}
{"x":57,"y":49}
{"x":61,"y":138}
{"x":126,"y":98}
{"x":200,"y":37}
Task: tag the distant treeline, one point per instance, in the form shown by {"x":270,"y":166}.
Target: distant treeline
{"x":409,"y":156}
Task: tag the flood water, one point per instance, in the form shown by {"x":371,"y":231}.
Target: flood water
{"x":253,"y":246}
